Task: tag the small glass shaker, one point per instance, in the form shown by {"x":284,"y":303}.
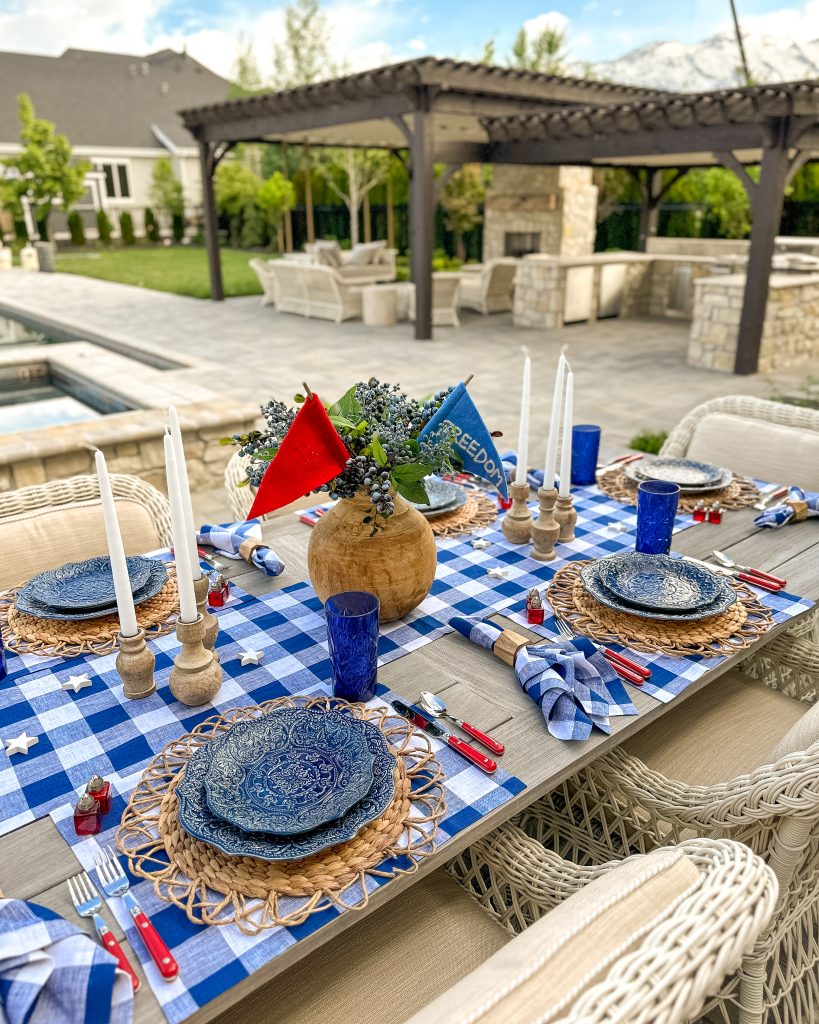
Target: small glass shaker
{"x":715,"y":513}
{"x":100,"y":792}
{"x":699,"y":512}
{"x":87,"y":816}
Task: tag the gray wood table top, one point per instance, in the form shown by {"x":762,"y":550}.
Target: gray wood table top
{"x":35,"y":861}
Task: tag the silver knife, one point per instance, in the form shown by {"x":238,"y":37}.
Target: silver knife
{"x":720,"y":570}
{"x":624,"y":460}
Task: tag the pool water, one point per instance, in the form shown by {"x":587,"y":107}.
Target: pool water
{"x":47,"y":411}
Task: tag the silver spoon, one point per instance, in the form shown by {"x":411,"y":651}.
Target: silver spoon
{"x":432,"y":703}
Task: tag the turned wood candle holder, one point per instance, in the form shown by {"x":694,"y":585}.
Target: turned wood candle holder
{"x":545,"y":529}
{"x":566,"y":517}
{"x":196,"y":675}
{"x":200,"y":589}
{"x":517,"y":523}
{"x":135,"y":664}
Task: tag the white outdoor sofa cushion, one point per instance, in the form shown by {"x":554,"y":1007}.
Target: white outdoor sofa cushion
{"x":313,"y":290}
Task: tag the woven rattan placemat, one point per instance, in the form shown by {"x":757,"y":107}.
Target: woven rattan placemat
{"x":24,"y":634}
{"x":740,"y":493}
{"x":478,"y":511}
{"x":732,"y":631}
{"x":214,"y":888}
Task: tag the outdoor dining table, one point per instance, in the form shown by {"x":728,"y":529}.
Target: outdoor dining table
{"x":35,"y":860}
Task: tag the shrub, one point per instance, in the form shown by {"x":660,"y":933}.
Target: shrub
{"x":76,"y":228}
{"x":253,"y":227}
{"x":648,"y":441}
{"x":126,"y":228}
{"x":104,"y":227}
{"x":178,"y":227}
{"x":151,"y":226}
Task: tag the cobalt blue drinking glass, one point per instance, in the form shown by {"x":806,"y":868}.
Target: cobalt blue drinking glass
{"x":352,"y":635}
{"x":656,"y":509}
{"x":585,"y":448}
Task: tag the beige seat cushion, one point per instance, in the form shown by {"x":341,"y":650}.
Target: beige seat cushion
{"x":727,"y":729}
{"x":363,"y":253}
{"x":767,"y":451}
{"x":801,"y":735}
{"x":32,"y":542}
{"x":385,"y":967}
{"x":539,"y":974}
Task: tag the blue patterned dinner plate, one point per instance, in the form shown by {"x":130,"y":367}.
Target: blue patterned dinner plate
{"x":658,"y":582}
{"x":594,"y":585}
{"x":444,"y":496}
{"x":83,"y":586}
{"x":688,"y":474}
{"x":289,"y":772}
{"x":157,"y":578}
{"x":199,"y":821}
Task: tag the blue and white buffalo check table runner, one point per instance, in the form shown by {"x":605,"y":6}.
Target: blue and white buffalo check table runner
{"x":94,"y":729}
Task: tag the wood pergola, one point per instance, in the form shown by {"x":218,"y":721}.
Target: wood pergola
{"x":453,"y":112}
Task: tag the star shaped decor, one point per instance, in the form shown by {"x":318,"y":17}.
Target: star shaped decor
{"x":77,"y":683}
{"x":498,"y":574}
{"x":21,"y":744}
{"x":481,"y":543}
{"x":251,"y":657}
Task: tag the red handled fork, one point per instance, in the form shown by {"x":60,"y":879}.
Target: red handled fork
{"x":627,"y":669}
{"x":87,"y":903}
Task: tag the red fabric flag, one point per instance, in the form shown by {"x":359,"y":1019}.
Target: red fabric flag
{"x":311,"y":453}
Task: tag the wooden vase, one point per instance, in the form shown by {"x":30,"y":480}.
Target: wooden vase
{"x":397,"y":564}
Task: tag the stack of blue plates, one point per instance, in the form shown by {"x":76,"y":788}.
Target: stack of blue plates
{"x":691,"y":476}
{"x":657,"y":587}
{"x":287,"y":785}
{"x":444,"y":496}
{"x":85,"y":590}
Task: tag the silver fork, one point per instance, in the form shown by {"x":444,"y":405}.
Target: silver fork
{"x":767,"y":495}
{"x":629,"y":670}
{"x":87,"y":903}
{"x":115,"y":883}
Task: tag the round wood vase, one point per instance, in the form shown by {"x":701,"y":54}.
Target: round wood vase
{"x":397,"y":564}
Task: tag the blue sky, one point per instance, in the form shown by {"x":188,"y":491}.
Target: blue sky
{"x":369,"y":32}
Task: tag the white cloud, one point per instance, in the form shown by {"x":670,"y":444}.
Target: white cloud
{"x":551,"y":19}
{"x":419,"y":44}
{"x":800,"y":24}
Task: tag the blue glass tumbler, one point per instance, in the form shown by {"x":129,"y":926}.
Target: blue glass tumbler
{"x":656,"y":509}
{"x":352,"y":635}
{"x":585,"y":449}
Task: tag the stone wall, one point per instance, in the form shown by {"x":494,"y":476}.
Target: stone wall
{"x":790,"y":335}
{"x":559,"y":203}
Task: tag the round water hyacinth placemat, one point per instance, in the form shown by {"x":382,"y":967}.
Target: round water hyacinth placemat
{"x":25,"y":634}
{"x":478,"y":511}
{"x":732,"y":630}
{"x":740,"y":493}
{"x":215,"y":888}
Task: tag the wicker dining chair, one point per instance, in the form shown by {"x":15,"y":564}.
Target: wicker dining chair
{"x":739,"y":759}
{"x":239,"y":495}
{"x":60,"y":521}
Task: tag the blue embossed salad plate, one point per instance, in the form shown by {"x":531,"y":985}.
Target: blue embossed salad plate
{"x":688,"y":474}
{"x":199,"y":821}
{"x":289,"y":772}
{"x":83,"y":586}
{"x":157,"y":578}
{"x":444,"y":496}
{"x":658,"y":582}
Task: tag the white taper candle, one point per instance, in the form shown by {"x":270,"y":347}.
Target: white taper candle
{"x":184,"y":491}
{"x":550,"y":466}
{"x":184,"y":576}
{"x":119,"y":567}
{"x":523,"y":429}
{"x":566,"y":446}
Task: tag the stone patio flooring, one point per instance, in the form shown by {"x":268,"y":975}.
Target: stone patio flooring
{"x":630,"y":375}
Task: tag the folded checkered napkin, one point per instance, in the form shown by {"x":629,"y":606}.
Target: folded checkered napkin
{"x":51,"y":972}
{"x":242,"y":540}
{"x":797,"y":506}
{"x":534,"y":477}
{"x":569,"y":680}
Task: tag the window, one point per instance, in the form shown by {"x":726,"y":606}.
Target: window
{"x":117,"y":185}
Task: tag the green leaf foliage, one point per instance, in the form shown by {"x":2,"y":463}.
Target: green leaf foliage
{"x":378,"y":452}
{"x":347,"y":407}
{"x":407,"y":480}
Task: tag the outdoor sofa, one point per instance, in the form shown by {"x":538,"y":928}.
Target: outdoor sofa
{"x":365,"y":263}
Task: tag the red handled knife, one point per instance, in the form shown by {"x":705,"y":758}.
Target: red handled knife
{"x":421,"y":721}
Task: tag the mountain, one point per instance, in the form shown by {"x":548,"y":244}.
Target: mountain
{"x":713,"y":63}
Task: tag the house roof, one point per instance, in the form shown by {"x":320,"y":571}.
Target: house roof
{"x":107,"y":99}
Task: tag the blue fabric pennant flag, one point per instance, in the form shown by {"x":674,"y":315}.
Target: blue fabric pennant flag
{"x":473,"y":442}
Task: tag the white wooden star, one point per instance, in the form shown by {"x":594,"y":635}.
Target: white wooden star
{"x":481,"y":543}
{"x":251,"y":657}
{"x":498,"y":574}
{"x":77,"y":683}
{"x":21,"y":744}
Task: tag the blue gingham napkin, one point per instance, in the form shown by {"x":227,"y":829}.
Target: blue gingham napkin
{"x":568,"y":679}
{"x":52,"y":972}
{"x":779,"y":515}
{"x":534,"y":477}
{"x":229,"y":537}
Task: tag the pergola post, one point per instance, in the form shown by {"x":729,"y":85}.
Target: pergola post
{"x":207,"y":165}
{"x":767,"y":198}
{"x":650,"y":210}
{"x":422,"y":212}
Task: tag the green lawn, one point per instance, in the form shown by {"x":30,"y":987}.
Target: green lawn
{"x":179,"y":269}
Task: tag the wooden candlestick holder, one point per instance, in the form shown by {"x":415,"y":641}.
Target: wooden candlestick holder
{"x":196,"y":675}
{"x":566,"y":517}
{"x":200,"y":589}
{"x":135,"y":664}
{"x":545,"y":528}
{"x":517,"y":523}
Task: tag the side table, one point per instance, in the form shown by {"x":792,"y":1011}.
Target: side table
{"x":378,"y":305}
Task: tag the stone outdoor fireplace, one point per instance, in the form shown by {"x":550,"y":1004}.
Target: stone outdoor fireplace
{"x":539,"y":209}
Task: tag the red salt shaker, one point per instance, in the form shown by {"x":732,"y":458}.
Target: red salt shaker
{"x":100,"y":791}
{"x":534,"y":608}
{"x":715,"y":513}
{"x":699,"y":512}
{"x":218,"y":591}
{"x":87,"y":816}
{"x":504,"y":503}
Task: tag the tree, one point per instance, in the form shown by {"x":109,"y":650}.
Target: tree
{"x":488,"y":55}
{"x":363,"y":169}
{"x":234,"y":187}
{"x":246,"y":79}
{"x":544,"y":50}
{"x":166,"y":190}
{"x":303,"y":56}
{"x":722,"y":195}
{"x":276,"y":196}
{"x":76,"y":228}
{"x":104,"y":227}
{"x":126,"y":228}
{"x":44,"y":173}
{"x":461,"y":200}
{"x":151,"y":226}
